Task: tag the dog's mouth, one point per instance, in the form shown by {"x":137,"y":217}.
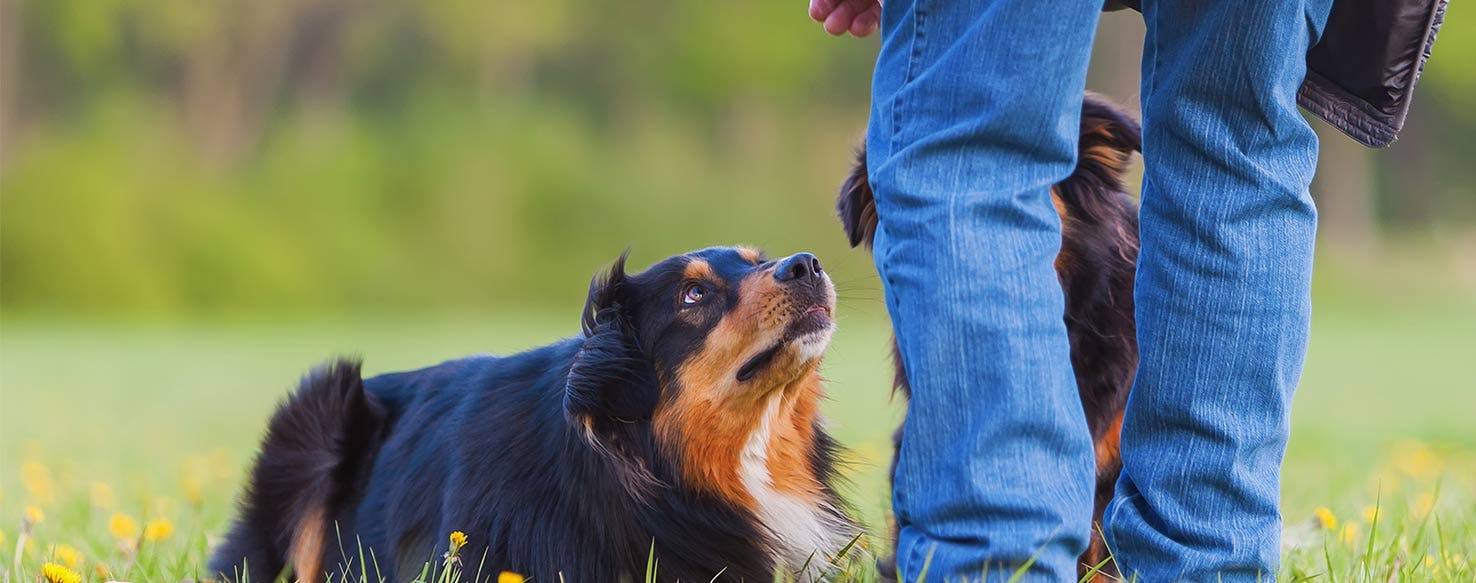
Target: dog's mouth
{"x":814,"y":320}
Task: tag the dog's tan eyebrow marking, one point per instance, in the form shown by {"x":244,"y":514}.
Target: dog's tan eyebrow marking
{"x":751,"y":255}
{"x":697,"y":269}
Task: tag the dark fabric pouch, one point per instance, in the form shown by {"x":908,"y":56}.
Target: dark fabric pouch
{"x":1361,"y":75}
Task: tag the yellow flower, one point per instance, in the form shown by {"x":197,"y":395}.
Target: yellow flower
{"x":458,"y":540}
{"x":101,"y":571}
{"x":37,"y":480}
{"x":34,"y":515}
{"x":1416,"y":460}
{"x":58,"y":574}
{"x":510,"y":577}
{"x":1350,"y":533}
{"x":67,"y":554}
{"x":1326,"y":518}
{"x":1371,"y":514}
{"x":102,"y":495}
{"x":2,"y":537}
{"x":193,"y":488}
{"x":123,"y":526}
{"x":157,"y":530}
{"x":1423,"y":505}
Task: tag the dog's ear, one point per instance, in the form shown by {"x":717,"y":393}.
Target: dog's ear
{"x":611,"y":377}
{"x":856,"y":205}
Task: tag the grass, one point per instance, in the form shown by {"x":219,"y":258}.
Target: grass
{"x":102,"y":424}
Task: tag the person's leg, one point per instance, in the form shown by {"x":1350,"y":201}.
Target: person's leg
{"x":1223,"y":288}
{"x":976,"y":106}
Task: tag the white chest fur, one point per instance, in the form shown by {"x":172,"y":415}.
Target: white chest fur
{"x":802,"y":531}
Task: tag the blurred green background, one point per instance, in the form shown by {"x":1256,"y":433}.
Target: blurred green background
{"x":199,"y":200}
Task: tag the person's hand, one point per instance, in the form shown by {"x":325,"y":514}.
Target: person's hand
{"x":858,"y":17}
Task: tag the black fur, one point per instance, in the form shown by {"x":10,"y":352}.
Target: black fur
{"x":545,"y":459}
{"x":315,"y":454}
{"x":1099,"y":248}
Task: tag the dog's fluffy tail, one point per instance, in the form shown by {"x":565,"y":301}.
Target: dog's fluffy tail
{"x":1109,"y":136}
{"x":317,"y":450}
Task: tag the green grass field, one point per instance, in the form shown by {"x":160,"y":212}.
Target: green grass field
{"x":101,"y":424}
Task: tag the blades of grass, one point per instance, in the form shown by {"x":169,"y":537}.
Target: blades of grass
{"x":363,"y":565}
{"x":1373,"y":533}
{"x":651,"y":563}
{"x":805,"y":566}
{"x":1025,"y":568}
{"x":1111,"y":554}
{"x":483,"y":562}
{"x":844,"y":551}
{"x":1327,"y":560}
{"x":922,"y":576}
{"x":1092,"y":572}
{"x":338,"y":538}
{"x":378,"y":575}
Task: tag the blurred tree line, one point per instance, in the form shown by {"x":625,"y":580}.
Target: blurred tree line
{"x":187,"y":156}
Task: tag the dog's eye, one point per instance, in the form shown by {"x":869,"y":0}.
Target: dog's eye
{"x":693,"y":293}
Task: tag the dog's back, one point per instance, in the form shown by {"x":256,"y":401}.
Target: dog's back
{"x":318,"y":448}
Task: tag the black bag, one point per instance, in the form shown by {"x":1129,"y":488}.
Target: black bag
{"x":1361,"y":74}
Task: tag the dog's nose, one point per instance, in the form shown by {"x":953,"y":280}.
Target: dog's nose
{"x":798,"y":267}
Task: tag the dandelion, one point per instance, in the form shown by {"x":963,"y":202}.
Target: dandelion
{"x":102,"y":495}
{"x":33,"y":516}
{"x":1416,"y":460}
{"x":1423,"y":505}
{"x":510,"y":577}
{"x":1371,"y":514}
{"x":1326,"y":518}
{"x":193,"y":489}
{"x":55,"y":573}
{"x":37,"y":480}
{"x":67,"y":554}
{"x":123,"y":527}
{"x":157,"y":530}
{"x":101,"y":571}
{"x":1350,"y":533}
{"x":458,"y":540}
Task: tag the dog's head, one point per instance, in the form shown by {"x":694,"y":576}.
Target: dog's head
{"x":699,"y":346}
{"x":726,"y":322}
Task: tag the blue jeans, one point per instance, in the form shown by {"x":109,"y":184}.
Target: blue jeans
{"x":975,"y":114}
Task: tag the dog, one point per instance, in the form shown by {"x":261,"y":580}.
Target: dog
{"x":682,"y":423}
{"x":1096,"y":265}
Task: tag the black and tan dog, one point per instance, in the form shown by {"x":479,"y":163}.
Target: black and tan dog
{"x":1099,"y":251}
{"x":684,"y":418}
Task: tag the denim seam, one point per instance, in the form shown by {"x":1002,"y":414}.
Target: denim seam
{"x":907,"y":80}
{"x":913,"y":562}
{"x":898,"y":105}
{"x":1109,"y":522}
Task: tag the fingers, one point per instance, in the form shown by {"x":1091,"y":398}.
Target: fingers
{"x":839,"y":21}
{"x":858,"y":17}
{"x":819,"y":9}
{"x":867,"y":22}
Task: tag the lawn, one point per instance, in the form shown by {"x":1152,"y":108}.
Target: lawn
{"x":130,"y":439}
